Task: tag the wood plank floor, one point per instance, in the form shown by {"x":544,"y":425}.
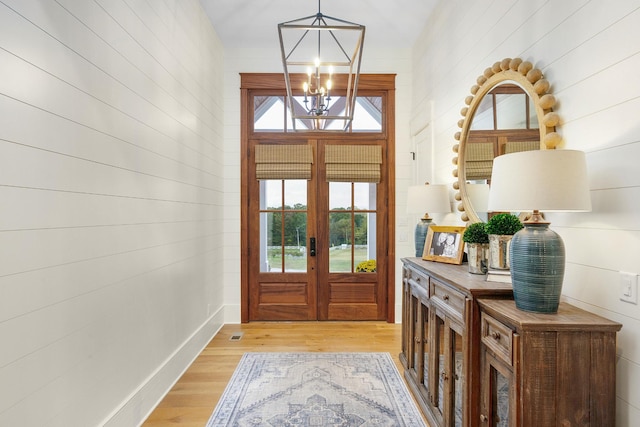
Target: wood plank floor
{"x":192,"y":400}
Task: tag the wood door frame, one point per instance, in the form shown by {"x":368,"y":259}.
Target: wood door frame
{"x":369,"y":84}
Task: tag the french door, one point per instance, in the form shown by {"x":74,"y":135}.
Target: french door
{"x":316,"y":249}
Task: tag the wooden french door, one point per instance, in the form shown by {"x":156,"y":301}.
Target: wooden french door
{"x":303,"y":240}
{"x":313,"y":242}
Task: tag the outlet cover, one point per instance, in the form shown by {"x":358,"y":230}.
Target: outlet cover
{"x":629,"y":287}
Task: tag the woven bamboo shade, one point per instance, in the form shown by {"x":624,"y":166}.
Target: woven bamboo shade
{"x":517,"y":146}
{"x":283,"y":161}
{"x":479,"y":161}
{"x":353,"y":163}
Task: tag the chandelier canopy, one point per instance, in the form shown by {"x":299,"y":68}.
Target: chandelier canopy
{"x":321,"y":57}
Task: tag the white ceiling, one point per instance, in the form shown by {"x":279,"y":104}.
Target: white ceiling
{"x":254,"y":23}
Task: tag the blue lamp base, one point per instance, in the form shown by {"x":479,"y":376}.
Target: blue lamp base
{"x":537,"y":268}
{"x":420,"y":235}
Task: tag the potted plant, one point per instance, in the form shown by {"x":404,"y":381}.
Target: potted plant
{"x":501,"y":228}
{"x":477,"y":243}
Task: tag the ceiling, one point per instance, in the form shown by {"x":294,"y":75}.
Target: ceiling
{"x":254,"y":23}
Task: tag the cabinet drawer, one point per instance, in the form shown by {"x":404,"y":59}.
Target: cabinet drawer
{"x":415,"y":278}
{"x":498,"y":337}
{"x":450,"y":297}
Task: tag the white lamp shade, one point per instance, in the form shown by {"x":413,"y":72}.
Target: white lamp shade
{"x":428,"y":198}
{"x":478,"y":195}
{"x":546,"y":180}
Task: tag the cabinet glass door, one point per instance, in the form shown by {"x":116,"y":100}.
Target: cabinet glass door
{"x":496,"y":391}
{"x":447,"y":363}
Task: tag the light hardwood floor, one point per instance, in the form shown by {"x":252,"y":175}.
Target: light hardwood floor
{"x":192,"y":400}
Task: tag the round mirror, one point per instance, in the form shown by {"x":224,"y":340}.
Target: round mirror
{"x":509,"y":110}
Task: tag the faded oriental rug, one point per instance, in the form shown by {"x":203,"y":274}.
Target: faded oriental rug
{"x":316,"y":389}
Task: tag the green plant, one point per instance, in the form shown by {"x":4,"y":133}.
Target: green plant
{"x":366,"y":266}
{"x":476,"y":233}
{"x":504,"y":224}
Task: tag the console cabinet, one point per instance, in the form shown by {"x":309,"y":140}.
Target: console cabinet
{"x":546,"y":369}
{"x":472,"y":358}
{"x":441,"y":338}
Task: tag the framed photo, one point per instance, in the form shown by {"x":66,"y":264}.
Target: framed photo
{"x":444,"y":244}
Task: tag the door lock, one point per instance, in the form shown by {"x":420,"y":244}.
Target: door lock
{"x":312,"y":246}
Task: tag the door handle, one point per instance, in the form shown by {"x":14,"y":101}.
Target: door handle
{"x":312,"y":246}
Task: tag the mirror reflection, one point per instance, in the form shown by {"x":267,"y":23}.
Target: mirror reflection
{"x":509,"y":111}
{"x":504,"y":122}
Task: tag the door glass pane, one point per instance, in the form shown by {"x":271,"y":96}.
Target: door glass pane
{"x":483,"y":118}
{"x":415,"y":303}
{"x":283,"y":226}
{"x":364,"y":237}
{"x":340,"y":235}
{"x":440,"y":368}
{"x":352,"y":227}
{"x":364,"y":196}
{"x":295,"y":194}
{"x":458,"y":376}
{"x":270,"y":194}
{"x":511,"y":111}
{"x":340,"y":195}
{"x":425,"y":341}
{"x":295,"y":251}
{"x":500,"y":398}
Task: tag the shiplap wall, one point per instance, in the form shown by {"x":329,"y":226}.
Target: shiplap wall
{"x":590,"y":52}
{"x":111,"y":199}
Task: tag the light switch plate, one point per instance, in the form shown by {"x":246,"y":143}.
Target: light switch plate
{"x":629,"y":287}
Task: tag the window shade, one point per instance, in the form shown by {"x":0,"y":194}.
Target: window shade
{"x":283,"y":161}
{"x":353,"y":163}
{"x":479,"y":160}
{"x":517,"y":146}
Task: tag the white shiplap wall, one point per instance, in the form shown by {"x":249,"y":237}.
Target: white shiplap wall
{"x":111,"y":199}
{"x":590,"y":52}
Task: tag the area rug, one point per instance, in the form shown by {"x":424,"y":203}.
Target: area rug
{"x":316,"y":389}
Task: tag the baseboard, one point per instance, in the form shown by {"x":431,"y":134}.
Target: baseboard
{"x":139,"y":405}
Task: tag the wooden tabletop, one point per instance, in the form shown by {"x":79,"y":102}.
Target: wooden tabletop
{"x":458,"y":276}
{"x":568,"y":317}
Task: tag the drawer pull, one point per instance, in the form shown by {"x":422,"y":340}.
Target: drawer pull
{"x":483,"y":418}
{"x":495,"y":335}
{"x":445,"y":297}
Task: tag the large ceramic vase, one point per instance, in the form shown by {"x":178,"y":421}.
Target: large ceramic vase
{"x":477,"y":257}
{"x":499,"y":251}
{"x":537,"y":268}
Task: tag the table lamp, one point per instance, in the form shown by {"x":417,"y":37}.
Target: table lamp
{"x":543,"y":180}
{"x":424,"y":199}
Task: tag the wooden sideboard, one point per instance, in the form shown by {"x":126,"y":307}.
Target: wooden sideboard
{"x":546,"y":369}
{"x":466,"y":360}
{"x":441,"y":338}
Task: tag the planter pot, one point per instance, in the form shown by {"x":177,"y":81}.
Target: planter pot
{"x":478,"y":257}
{"x":499,"y":251}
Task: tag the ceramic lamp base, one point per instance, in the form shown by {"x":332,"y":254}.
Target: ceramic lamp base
{"x":537,"y":259}
{"x":420,"y":235}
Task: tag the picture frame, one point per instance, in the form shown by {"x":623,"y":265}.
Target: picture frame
{"x":444,"y":244}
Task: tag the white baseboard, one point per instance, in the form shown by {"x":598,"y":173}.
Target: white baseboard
{"x":139,"y":405}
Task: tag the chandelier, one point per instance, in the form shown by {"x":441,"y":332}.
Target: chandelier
{"x":321,"y":57}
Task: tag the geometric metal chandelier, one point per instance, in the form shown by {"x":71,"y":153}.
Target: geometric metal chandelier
{"x":321,"y":57}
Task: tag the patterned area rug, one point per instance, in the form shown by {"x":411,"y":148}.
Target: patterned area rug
{"x":316,"y":389}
